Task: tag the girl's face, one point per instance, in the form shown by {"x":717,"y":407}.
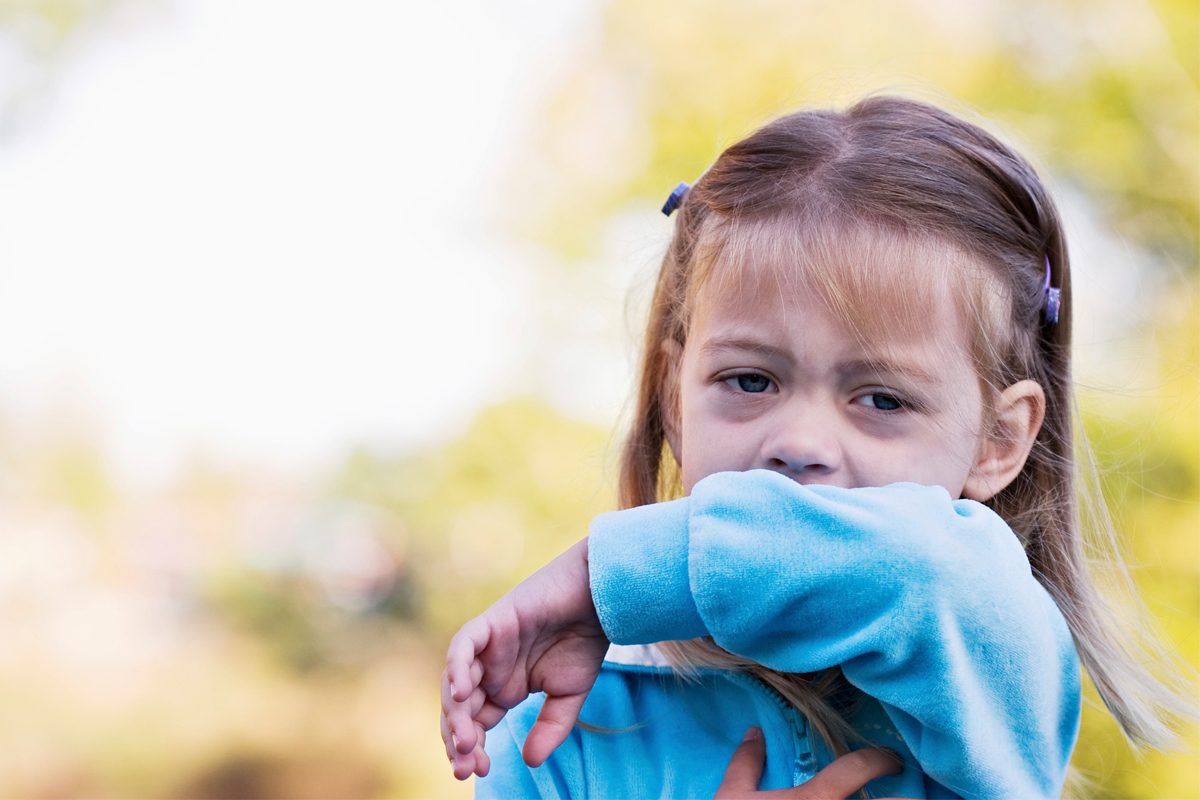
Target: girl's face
{"x":771,"y":379}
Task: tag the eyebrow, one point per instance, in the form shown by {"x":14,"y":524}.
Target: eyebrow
{"x":881,"y":366}
{"x":870,"y":365}
{"x":714,"y":346}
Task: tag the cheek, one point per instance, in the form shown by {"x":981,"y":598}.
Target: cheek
{"x":712,"y":444}
{"x":943,"y":456}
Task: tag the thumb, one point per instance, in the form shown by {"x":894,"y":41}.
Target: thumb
{"x":745,"y":768}
{"x":553,"y":726}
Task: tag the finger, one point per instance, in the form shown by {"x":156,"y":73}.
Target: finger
{"x":482,"y":762}
{"x":490,"y":715}
{"x":464,"y":766}
{"x":475,"y":703}
{"x":745,"y":767}
{"x":476,"y":672}
{"x":449,"y":702}
{"x":461,"y":765}
{"x":851,"y":772}
{"x":469,"y":642}
{"x":463,"y":723}
{"x":553,"y":726}
{"x":501,"y":655}
{"x":445,"y":728}
{"x":458,"y":718}
{"x":448,"y":739}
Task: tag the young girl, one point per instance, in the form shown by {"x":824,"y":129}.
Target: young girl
{"x":856,"y":382}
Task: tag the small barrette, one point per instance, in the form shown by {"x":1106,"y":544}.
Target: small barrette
{"x":1051,"y":299}
{"x":675,"y":198}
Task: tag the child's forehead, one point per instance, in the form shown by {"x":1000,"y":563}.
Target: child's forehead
{"x":883,"y":286}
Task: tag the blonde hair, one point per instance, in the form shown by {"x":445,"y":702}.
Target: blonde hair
{"x":802,"y":192}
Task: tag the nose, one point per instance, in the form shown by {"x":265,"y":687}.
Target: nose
{"x":803,"y":443}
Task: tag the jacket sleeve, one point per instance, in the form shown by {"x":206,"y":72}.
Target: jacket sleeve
{"x":928,"y":605}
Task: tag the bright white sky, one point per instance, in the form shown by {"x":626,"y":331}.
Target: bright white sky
{"x":259,"y":227}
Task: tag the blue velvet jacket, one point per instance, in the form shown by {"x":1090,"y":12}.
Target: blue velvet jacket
{"x":961,"y":661}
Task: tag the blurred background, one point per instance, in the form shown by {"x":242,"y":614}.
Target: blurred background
{"x":317,"y":321}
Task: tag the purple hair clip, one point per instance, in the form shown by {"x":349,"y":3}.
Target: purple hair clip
{"x":675,"y":199}
{"x":1051,"y":299}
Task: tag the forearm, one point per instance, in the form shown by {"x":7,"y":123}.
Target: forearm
{"x":930,"y":608}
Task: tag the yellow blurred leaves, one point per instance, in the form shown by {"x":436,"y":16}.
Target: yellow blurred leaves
{"x":1104,"y":92}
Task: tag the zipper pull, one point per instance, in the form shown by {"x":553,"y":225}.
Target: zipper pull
{"x":803,"y":769}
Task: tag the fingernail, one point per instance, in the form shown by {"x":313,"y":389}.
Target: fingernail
{"x":454,"y":741}
{"x":453,"y":693}
{"x":755,"y":733}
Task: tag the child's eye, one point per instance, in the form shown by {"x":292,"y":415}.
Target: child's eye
{"x":749,"y":382}
{"x":880,"y":401}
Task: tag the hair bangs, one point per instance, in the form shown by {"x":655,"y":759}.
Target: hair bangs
{"x":883,"y":283}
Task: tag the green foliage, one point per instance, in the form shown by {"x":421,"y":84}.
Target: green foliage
{"x":1105,"y":93}
{"x":281,"y":615}
{"x":1148,"y":449}
{"x":483,"y":511}
{"x":291,"y":618}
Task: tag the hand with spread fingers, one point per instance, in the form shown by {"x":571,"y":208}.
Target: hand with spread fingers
{"x":543,"y":636}
{"x":841,"y":779}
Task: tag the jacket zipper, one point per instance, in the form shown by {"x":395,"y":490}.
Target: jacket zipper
{"x":803,"y":764}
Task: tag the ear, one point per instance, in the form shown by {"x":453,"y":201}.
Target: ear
{"x":1018,"y":416}
{"x":672,"y":353}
